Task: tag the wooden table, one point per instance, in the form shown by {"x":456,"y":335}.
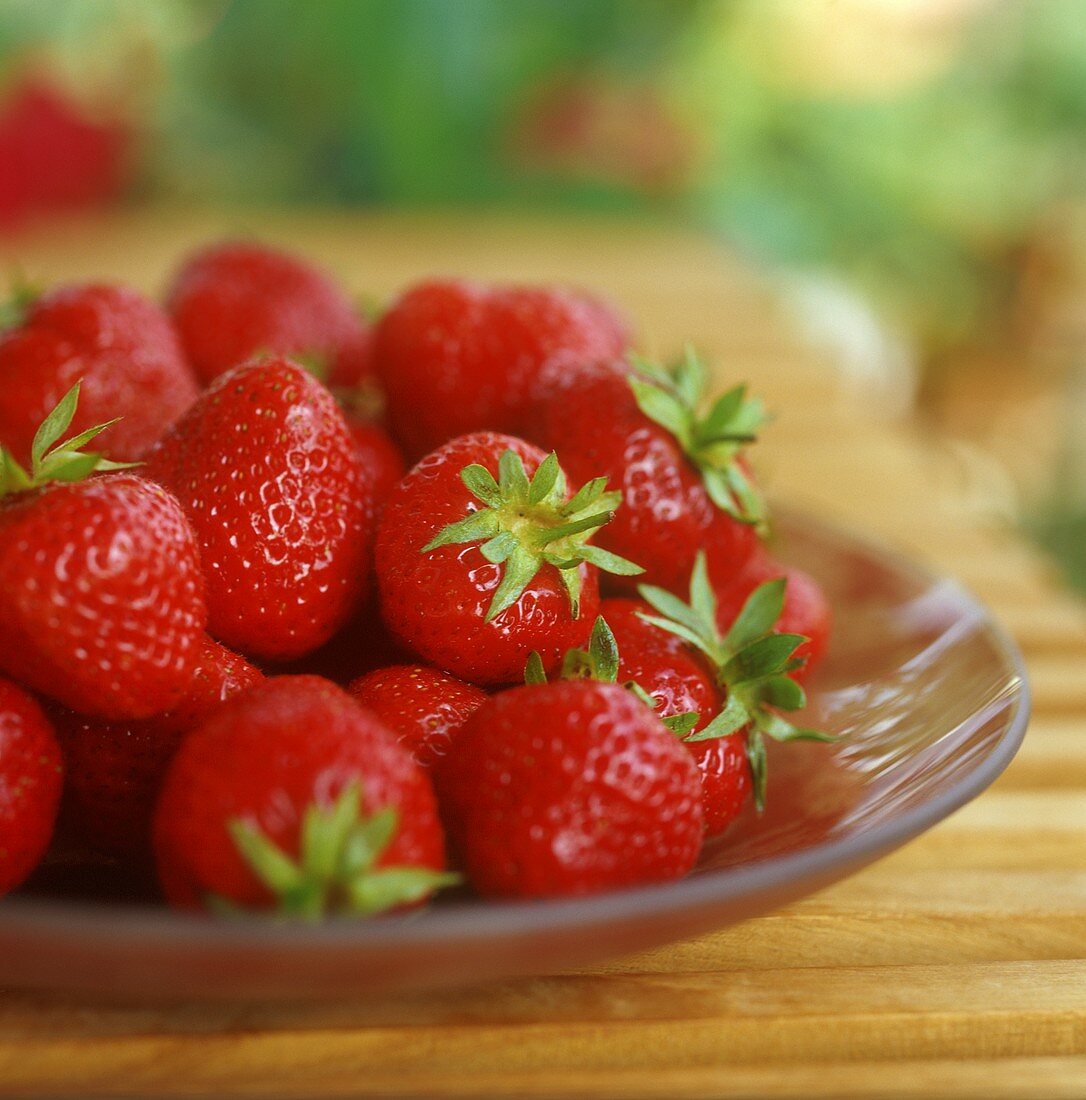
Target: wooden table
{"x":956,"y":967}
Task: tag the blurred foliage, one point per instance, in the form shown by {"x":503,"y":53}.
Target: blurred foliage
{"x":911,"y":147}
{"x":923,"y":152}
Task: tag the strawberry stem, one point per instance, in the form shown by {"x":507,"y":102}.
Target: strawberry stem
{"x":526,"y":524}
{"x":53,"y":459}
{"x":336,"y":870}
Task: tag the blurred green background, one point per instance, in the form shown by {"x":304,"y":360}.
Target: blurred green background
{"x":927,"y":156}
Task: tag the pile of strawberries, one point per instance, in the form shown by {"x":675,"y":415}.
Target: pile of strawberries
{"x":242,"y":645}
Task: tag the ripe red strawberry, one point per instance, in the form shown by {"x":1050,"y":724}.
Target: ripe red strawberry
{"x":115,"y":769}
{"x":684,"y":484}
{"x":457,"y":357}
{"x":752,"y":662}
{"x":476,"y":572}
{"x":121,"y":345}
{"x":294,"y":796}
{"x":569,"y":788}
{"x":30,"y":781}
{"x":102,"y":600}
{"x":268,"y":474}
{"x":238,"y":299}
{"x":424,"y":707}
{"x":806,"y":610}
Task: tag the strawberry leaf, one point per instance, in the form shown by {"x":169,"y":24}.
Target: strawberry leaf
{"x":54,"y":425}
{"x":587,"y":495}
{"x":603,"y":650}
{"x":783,"y":692}
{"x":765,"y":657}
{"x":480,"y":482}
{"x":760,"y":612}
{"x":68,"y":466}
{"x":521,"y":567}
{"x":756,"y":759}
{"x":682,"y":724}
{"x":663,"y":407}
{"x":544,"y":480}
{"x":608,"y":562}
{"x":534,"y":672}
{"x":734,"y":716}
{"x":512,"y":478}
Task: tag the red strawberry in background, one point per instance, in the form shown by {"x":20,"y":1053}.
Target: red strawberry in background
{"x":31,"y":775}
{"x":684,"y":483}
{"x":424,"y":707}
{"x":267,"y":473}
{"x":482,"y":557}
{"x":753,"y":663}
{"x":569,"y":788}
{"x":293,"y":796}
{"x":363,"y":644}
{"x":115,"y":769}
{"x":122,"y":348}
{"x":102,"y":600}
{"x":53,"y":154}
{"x":457,"y":357}
{"x":238,"y":299}
{"x":806,"y":610}
{"x":380,"y":459}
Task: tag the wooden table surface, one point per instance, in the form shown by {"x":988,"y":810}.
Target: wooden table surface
{"x":955,"y":967}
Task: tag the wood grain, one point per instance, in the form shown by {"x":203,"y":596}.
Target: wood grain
{"x":955,"y":967}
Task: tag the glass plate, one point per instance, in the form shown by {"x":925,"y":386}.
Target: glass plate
{"x":930,"y":697}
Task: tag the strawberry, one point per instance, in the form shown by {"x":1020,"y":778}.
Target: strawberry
{"x":382,"y":464}
{"x":457,"y":357}
{"x":266,"y":470}
{"x":806,"y":610}
{"x":294,"y":797}
{"x":238,"y":299}
{"x":667,"y":676}
{"x":684,"y":483}
{"x":752,"y":663}
{"x":102,"y":603}
{"x":119,"y":344}
{"x":115,"y":769}
{"x":55,"y":152}
{"x":476,"y":572}
{"x":569,"y":788}
{"x":424,"y":707}
{"x":30,"y":781}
